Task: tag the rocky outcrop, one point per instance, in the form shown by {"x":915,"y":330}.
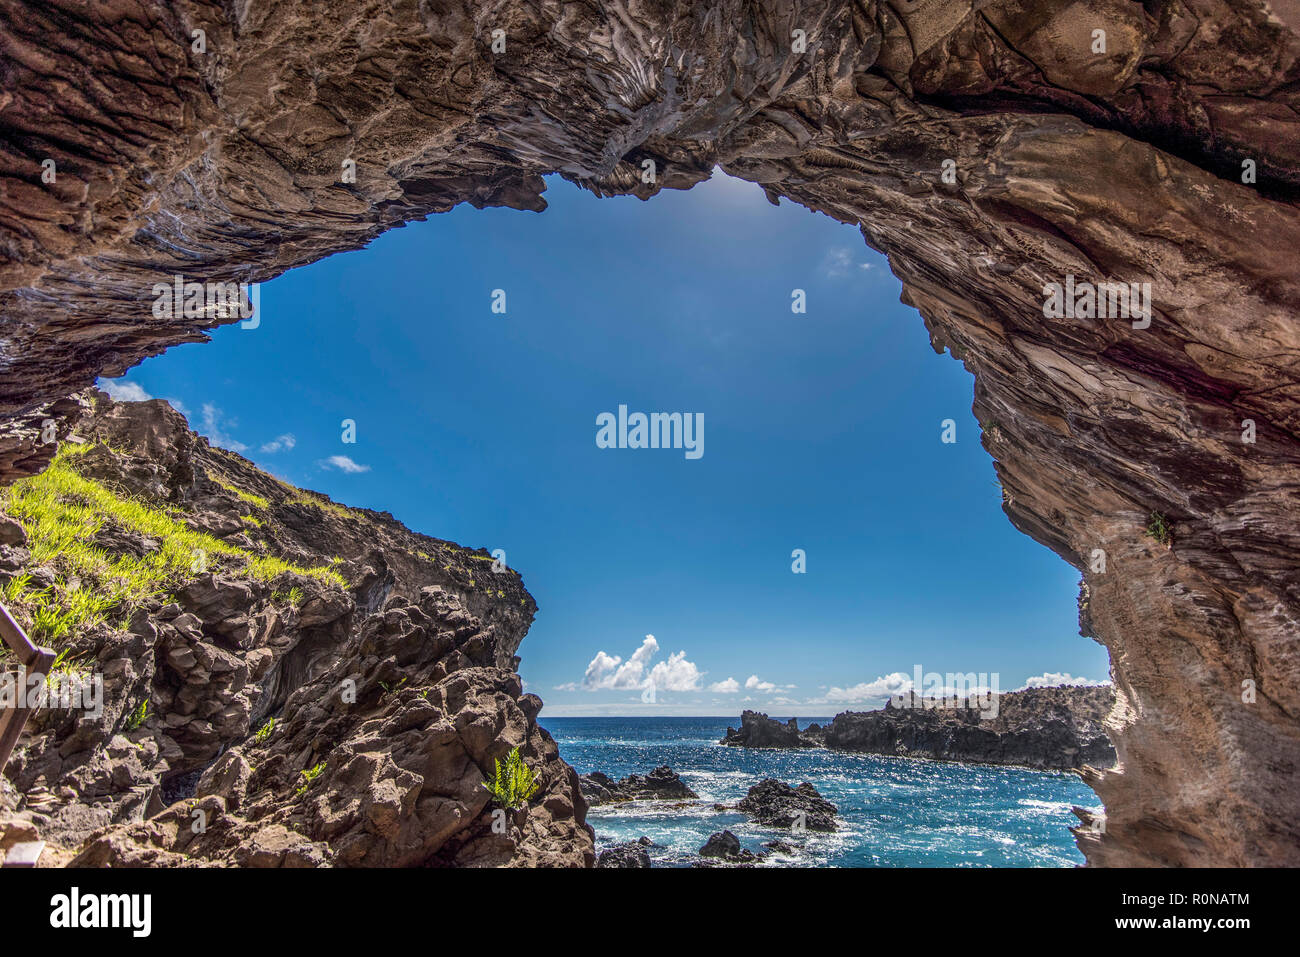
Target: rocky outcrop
{"x":776,"y":804}
{"x":631,"y":854}
{"x":661,"y":784}
{"x":990,"y":149}
{"x":1048,"y":728}
{"x":724,"y":847}
{"x":266,"y":704}
{"x":759,"y":731}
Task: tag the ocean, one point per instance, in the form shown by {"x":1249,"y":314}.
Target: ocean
{"x":894,"y":812}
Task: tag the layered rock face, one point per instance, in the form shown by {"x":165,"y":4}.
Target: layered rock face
{"x":989,"y":148}
{"x":264,"y":702}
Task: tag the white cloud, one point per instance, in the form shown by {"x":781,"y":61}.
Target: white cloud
{"x":730,"y":686}
{"x":214,"y":425}
{"x":344,"y":464}
{"x":611,"y":672}
{"x":286,"y":441}
{"x":839,"y":263}
{"x":119,"y":390}
{"x":753,"y":684}
{"x":883,"y":687}
{"x":675,"y":674}
{"x":1052,"y":679}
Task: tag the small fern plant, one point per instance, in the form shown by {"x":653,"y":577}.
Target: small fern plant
{"x":513,"y":783}
{"x":264,"y":732}
{"x":138,"y":716}
{"x":308,"y":776}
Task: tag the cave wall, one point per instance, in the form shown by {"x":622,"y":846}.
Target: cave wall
{"x":1124,"y":165}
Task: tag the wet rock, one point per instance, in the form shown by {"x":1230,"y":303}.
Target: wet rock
{"x":661,"y":784}
{"x":776,"y":804}
{"x":725,"y":846}
{"x":630,"y":854}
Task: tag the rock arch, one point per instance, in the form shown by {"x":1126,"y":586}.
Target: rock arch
{"x":1121,"y":163}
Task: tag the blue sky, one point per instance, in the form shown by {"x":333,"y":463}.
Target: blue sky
{"x":821,"y":432}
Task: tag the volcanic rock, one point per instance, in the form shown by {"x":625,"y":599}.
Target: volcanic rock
{"x":759,"y":731}
{"x":296,"y":727}
{"x":1049,"y":728}
{"x":629,"y":854}
{"x":661,"y":784}
{"x":725,"y":846}
{"x":776,"y":804}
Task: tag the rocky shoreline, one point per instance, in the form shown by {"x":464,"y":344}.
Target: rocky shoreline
{"x":1057,"y":728}
{"x":769,"y":803}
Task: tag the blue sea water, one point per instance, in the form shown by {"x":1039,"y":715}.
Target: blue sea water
{"x":894,"y":812}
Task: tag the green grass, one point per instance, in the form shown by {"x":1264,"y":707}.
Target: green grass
{"x":291,"y":597}
{"x":264,"y":732}
{"x":309,"y":499}
{"x":249,"y":498}
{"x":63,"y":511}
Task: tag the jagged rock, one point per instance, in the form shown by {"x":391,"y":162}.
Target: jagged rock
{"x":984,"y":147}
{"x":725,"y":846}
{"x":776,"y":804}
{"x":759,"y":731}
{"x":629,"y":854}
{"x":398,"y":714}
{"x":661,"y":784}
{"x":1051,"y":728}
{"x":12,"y":533}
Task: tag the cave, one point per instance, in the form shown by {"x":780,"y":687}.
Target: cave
{"x":990,"y":149}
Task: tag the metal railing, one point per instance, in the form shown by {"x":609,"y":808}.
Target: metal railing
{"x":37,"y":661}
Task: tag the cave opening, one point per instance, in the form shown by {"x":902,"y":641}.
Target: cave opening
{"x":455,"y":373}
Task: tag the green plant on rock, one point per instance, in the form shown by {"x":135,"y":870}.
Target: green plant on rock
{"x":63,"y":512}
{"x":291,"y":597}
{"x":1158,"y":528}
{"x":138,"y":717}
{"x":513,"y":783}
{"x":308,"y":776}
{"x":264,"y":731}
